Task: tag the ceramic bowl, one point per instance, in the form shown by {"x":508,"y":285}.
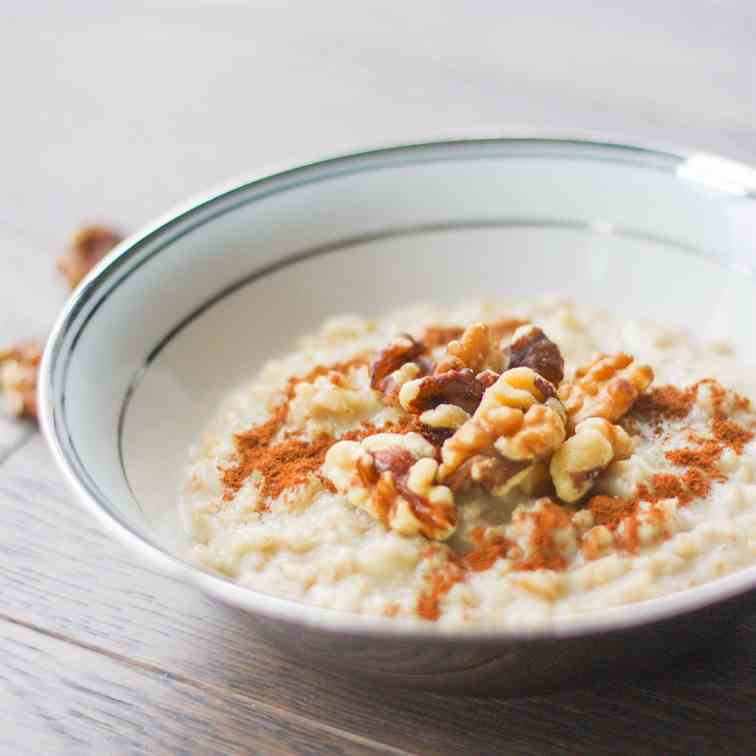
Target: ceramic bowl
{"x":184,"y":312}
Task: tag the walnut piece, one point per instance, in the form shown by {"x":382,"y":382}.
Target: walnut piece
{"x":444,"y":416}
{"x":495,"y":475}
{"x":459,"y":387}
{"x":505,"y":327}
{"x":519,"y":420}
{"x":401,"y":350}
{"x":583,"y":457}
{"x":437,"y":336}
{"x":394,"y":478}
{"x":607,"y":387}
{"x":475,"y":349}
{"x":530,"y":347}
{"x":18,"y":379}
{"x":88,"y":246}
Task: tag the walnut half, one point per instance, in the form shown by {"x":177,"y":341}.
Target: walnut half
{"x":402,"y":350}
{"x":607,"y":387}
{"x":394,"y":477}
{"x":461,"y":388}
{"x":88,"y":246}
{"x":476,"y":350}
{"x":519,"y":420}
{"x":583,"y":457}
{"x":530,"y":347}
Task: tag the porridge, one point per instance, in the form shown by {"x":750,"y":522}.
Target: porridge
{"x":498,"y":464}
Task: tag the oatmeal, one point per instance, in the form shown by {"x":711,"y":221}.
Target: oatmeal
{"x":499,"y":465}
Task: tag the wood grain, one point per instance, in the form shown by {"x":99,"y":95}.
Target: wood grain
{"x":61,"y":575}
{"x":55,"y":692}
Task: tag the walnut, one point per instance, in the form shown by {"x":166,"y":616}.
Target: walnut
{"x":459,"y":387}
{"x":475,"y":350}
{"x":537,"y":481}
{"x":505,"y":327}
{"x":605,"y":387}
{"x":18,"y":379}
{"x":402,"y":349}
{"x":519,"y":420}
{"x":436,"y":336}
{"x":402,"y":360}
{"x":392,"y":384}
{"x":444,"y":416}
{"x":495,"y":475}
{"x":530,"y":347}
{"x":583,"y":457}
{"x":88,"y":246}
{"x":394,"y":477}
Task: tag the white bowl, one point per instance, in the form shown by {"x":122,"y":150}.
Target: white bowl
{"x":181,"y":314}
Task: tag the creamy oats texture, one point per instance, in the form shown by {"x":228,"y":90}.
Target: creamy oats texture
{"x":501,"y":465}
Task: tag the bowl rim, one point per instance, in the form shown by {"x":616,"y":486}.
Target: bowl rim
{"x":602,"y":621}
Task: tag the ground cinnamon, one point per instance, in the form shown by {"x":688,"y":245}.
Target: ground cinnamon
{"x":332,"y":371}
{"x":485,"y":551}
{"x":544,"y":552}
{"x":285,"y":465}
{"x":441,"y":581}
{"x":731,"y":434}
{"x":666,"y":486}
{"x":696,"y":482}
{"x":669,"y":403}
{"x":663,"y":403}
{"x":293,"y":460}
{"x":609,"y":510}
{"x":703,"y":458}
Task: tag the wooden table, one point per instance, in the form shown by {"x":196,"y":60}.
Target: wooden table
{"x":112,"y":112}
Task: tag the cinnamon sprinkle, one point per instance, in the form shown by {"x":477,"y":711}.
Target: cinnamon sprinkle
{"x":441,"y":582}
{"x":669,"y":403}
{"x":696,"y":482}
{"x":287,"y":464}
{"x":485,"y":552}
{"x":609,"y":510}
{"x":666,"y":486}
{"x":335,"y":369}
{"x":704,"y":458}
{"x":292,"y":461}
{"x":663,"y":403}
{"x":731,"y":434}
{"x":545,"y":551}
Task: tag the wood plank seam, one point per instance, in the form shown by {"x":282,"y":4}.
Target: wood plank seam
{"x":218,"y":690}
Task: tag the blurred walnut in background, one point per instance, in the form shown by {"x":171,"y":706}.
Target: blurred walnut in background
{"x":19,"y":364}
{"x":88,"y":246}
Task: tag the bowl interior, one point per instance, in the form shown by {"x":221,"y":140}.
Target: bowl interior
{"x":186,"y":313}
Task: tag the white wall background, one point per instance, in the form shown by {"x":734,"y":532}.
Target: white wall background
{"x":118,"y":110}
